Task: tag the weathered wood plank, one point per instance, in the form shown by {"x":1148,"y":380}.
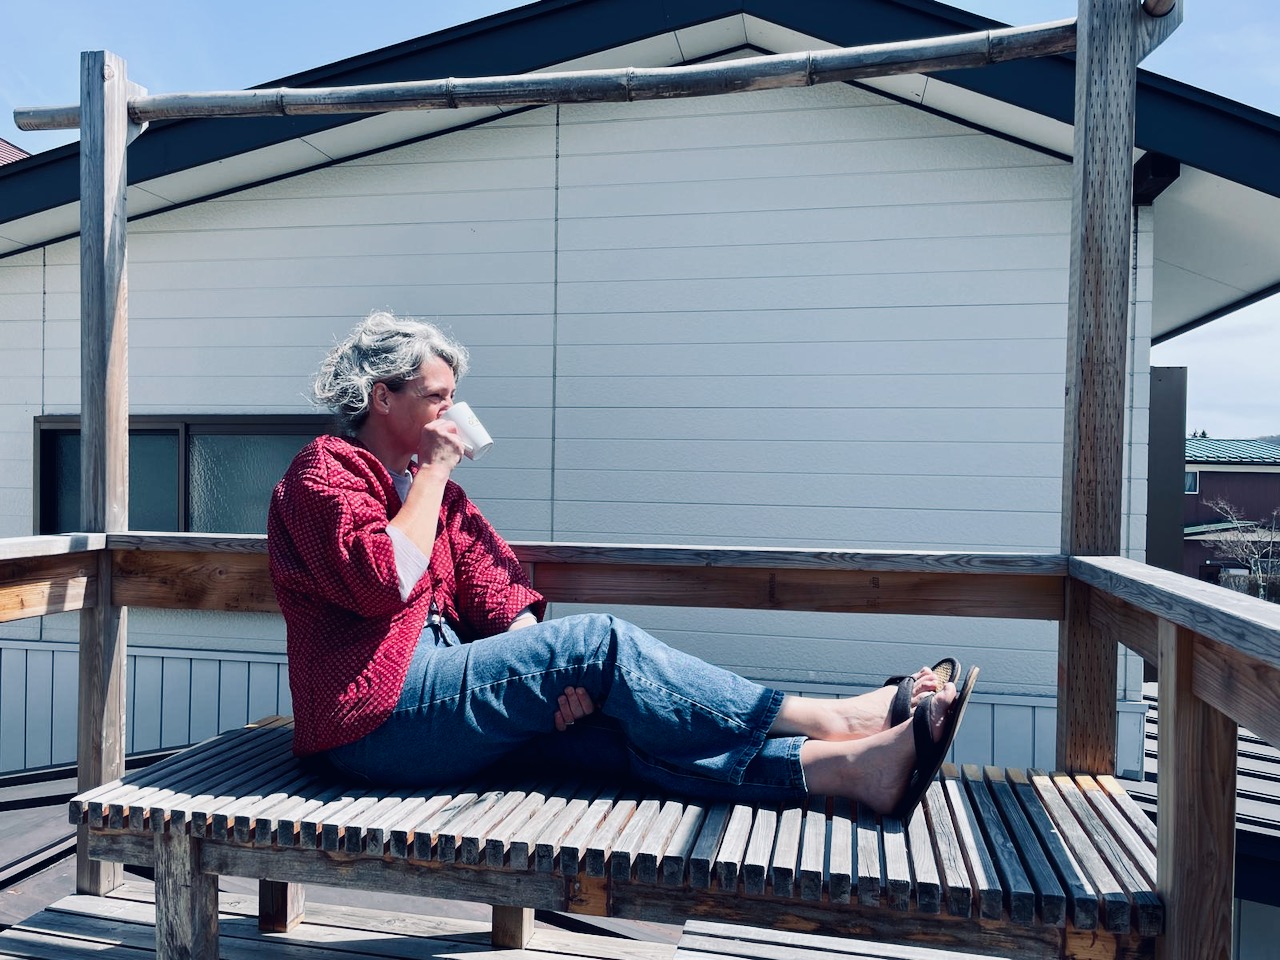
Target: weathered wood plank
{"x":897,"y":863}
{"x":547,"y":845}
{"x":1050,"y":901}
{"x":655,"y":841}
{"x":1133,"y":813}
{"x":675,"y":858}
{"x":924,"y":864}
{"x":704,"y":850}
{"x":498,"y":843}
{"x":948,"y":594}
{"x":1019,"y":897}
{"x":59,"y":583}
{"x":972,"y":846}
{"x":786,"y":851}
{"x":813,"y":852}
{"x":733,"y":847}
{"x":1081,"y":898}
{"x":956,"y":885}
{"x":1147,"y":910}
{"x":840,"y":871}
{"x":1113,"y":903}
{"x":600,"y":846}
{"x":1121,"y":828}
{"x":193,"y":581}
{"x":1235,"y":620}
{"x":622,"y":857}
{"x":50,"y":545}
{"x":870,"y":871}
{"x":755,"y":863}
{"x":1196,"y":808}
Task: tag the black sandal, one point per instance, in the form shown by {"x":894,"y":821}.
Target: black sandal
{"x":930,"y":753}
{"x":948,"y":668}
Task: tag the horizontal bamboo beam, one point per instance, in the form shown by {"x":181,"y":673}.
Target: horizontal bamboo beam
{"x":593,"y":86}
{"x":40,"y":585}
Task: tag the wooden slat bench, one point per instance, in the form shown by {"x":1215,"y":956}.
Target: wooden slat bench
{"x":994,"y":862}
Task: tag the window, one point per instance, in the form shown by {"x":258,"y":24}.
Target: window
{"x":1191,"y":481}
{"x":199,"y":474}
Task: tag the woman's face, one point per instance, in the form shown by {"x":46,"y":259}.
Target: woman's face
{"x":420,"y":401}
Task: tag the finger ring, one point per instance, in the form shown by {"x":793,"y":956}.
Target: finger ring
{"x":568,"y":723}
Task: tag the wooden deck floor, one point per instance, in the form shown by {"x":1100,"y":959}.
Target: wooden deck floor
{"x":122,"y":927}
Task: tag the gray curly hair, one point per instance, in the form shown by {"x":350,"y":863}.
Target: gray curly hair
{"x":383,"y":348}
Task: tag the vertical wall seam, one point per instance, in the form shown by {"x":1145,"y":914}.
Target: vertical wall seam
{"x":555,"y":318}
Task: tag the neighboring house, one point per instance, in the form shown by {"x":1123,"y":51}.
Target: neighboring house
{"x":1244,"y":474}
{"x":9,"y":153}
{"x":832,"y":316}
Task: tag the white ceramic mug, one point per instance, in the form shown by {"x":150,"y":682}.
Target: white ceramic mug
{"x":476,"y":441}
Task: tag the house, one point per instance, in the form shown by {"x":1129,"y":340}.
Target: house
{"x":1243,"y":478}
{"x":823,"y":316}
{"x":9,"y":153}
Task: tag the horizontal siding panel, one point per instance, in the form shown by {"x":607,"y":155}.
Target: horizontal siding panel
{"x":701,"y":484}
{"x":417,"y":176}
{"x":658,"y":160}
{"x":849,"y":392}
{"x":987,"y":459}
{"x":791,"y":293}
{"x":983,"y":218}
{"x":817,"y":259}
{"x":803,"y":360}
{"x":913,"y":527}
{"x":341,"y":300}
{"x":870,"y":194}
{"x":370,"y":268}
{"x":151,"y":242}
{"x":834,"y":425}
{"x":815,"y":115}
{"x":489,"y":205}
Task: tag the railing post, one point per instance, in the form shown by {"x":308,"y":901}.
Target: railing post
{"x":1196,"y":809}
{"x":104,"y":427}
{"x":1097,"y":331}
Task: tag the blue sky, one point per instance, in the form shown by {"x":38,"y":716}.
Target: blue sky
{"x":1226,"y":46}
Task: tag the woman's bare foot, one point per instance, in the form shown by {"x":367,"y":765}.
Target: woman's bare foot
{"x":874,"y":770}
{"x":849,"y":718}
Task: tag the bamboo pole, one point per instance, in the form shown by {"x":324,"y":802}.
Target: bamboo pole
{"x":623,"y":84}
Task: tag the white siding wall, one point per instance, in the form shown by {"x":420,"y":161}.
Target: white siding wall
{"x":811,"y":317}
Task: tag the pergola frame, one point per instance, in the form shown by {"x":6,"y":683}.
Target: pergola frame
{"x":1109,"y":38}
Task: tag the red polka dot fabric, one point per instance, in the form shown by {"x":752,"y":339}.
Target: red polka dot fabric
{"x":350,"y":636}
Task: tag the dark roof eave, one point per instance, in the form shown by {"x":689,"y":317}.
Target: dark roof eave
{"x":1198,"y":128}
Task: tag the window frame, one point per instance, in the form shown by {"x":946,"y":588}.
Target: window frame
{"x":1195,"y":487}
{"x":184,"y":425}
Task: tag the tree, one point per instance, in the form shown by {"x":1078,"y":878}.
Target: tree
{"x":1250,"y":543}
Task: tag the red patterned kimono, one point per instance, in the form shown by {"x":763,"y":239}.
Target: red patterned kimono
{"x":350,"y":636}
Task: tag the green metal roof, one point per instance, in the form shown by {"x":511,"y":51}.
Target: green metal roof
{"x":1212,"y":450}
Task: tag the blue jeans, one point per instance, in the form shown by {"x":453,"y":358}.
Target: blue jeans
{"x":662,"y":716}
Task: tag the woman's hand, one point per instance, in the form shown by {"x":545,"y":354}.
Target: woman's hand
{"x":440,"y":446}
{"x":574,"y":704}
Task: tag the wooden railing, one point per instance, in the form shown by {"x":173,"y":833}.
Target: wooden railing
{"x":1218,"y":652}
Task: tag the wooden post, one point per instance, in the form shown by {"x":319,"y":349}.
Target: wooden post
{"x":1097,"y":330}
{"x":104,"y":427}
{"x":1196,"y":807}
{"x":281,"y":905}
{"x":186,"y":901}
{"x":512,"y":927}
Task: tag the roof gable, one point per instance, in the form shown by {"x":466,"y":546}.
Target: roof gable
{"x":1208,"y":267}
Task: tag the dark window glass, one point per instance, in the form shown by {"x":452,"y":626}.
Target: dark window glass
{"x":200,"y":474}
{"x":231,"y":478}
{"x":153,"y":480}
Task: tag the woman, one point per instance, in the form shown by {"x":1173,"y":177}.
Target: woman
{"x":416,"y":655}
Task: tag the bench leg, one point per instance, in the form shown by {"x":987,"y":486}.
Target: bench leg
{"x":281,"y":906}
{"x":512,"y":927}
{"x":186,"y":901}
